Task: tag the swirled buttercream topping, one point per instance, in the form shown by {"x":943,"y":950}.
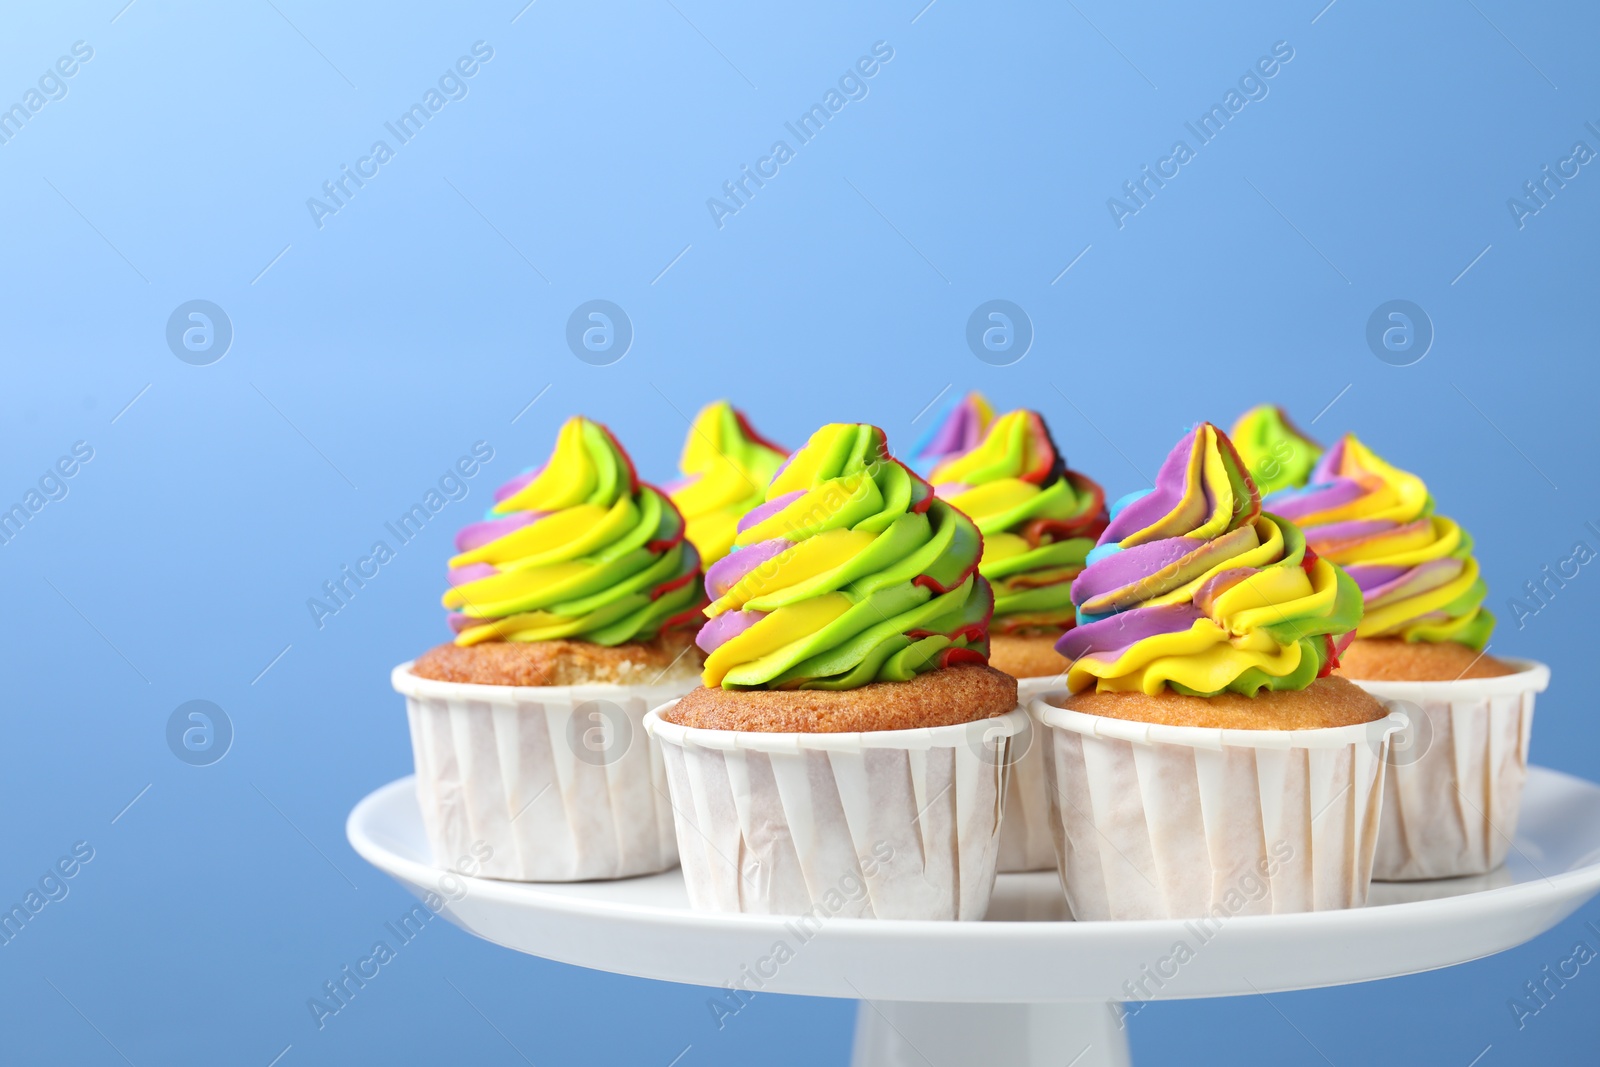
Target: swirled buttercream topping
{"x":1193,"y":588}
{"x":958,"y":427}
{"x":850,"y":571}
{"x":1277,"y":453}
{"x":1039,"y":520}
{"x":726,"y":466}
{"x":578,"y":548}
{"x":1416,"y":570}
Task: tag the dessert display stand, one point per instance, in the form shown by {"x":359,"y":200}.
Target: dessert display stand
{"x":1028,"y":986}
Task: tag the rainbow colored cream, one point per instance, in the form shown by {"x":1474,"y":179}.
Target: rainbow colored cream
{"x":1415,"y":569}
{"x":1039,"y":520}
{"x":1276,"y":452}
{"x":1194,"y":588}
{"x":958,"y":427}
{"x":851,"y":571}
{"x":726,"y":467}
{"x":578,"y":548}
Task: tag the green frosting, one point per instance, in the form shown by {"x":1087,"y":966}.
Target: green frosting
{"x":1039,"y":520}
{"x":579,"y":549}
{"x":1275,"y":451}
{"x":850,"y":572}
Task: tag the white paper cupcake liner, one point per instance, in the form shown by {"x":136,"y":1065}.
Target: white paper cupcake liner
{"x":560,"y":782}
{"x":888,"y":824}
{"x":1454,"y":788}
{"x":1026,"y":843}
{"x":1181,"y":822}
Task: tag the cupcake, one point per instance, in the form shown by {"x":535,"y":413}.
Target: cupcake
{"x":726,"y":467}
{"x":1039,"y":520}
{"x":1276,"y":452}
{"x":573,"y":603}
{"x":1203,"y":762}
{"x":847,"y":753}
{"x":957,"y":428}
{"x":1454,"y":791}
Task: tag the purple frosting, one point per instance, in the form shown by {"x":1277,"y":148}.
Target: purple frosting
{"x":783,"y":466}
{"x":1349,"y":531}
{"x":1150,"y":508}
{"x":677,"y":485}
{"x":1378,"y":581}
{"x":726,"y":572}
{"x":725,"y":627}
{"x":1375,"y":576}
{"x":1327,"y":468}
{"x":1108,"y":636}
{"x":1121,"y":569}
{"x":1295,"y":504}
{"x":956,"y":435}
{"x":763,"y":512}
{"x":517,"y":484}
{"x":478,"y":534}
{"x":472,"y":572}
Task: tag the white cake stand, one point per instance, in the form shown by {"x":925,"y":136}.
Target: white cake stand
{"x":1024,"y":988}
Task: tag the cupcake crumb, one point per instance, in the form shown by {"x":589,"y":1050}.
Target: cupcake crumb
{"x":668,"y":657}
{"x":1392,"y":659}
{"x":945,"y":697}
{"x":1324,"y":703}
{"x":1028,"y":655}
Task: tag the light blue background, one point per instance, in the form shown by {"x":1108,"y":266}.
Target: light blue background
{"x":428,"y":312}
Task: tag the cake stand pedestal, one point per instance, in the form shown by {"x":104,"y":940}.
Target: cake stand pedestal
{"x":909,"y":1034}
{"x":1026,"y":987}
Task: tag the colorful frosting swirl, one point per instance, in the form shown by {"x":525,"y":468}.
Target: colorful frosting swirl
{"x":1194,"y":588}
{"x":1038,"y":519}
{"x":578,"y":548}
{"x":1275,"y":451}
{"x":959,"y":426}
{"x":726,"y":467}
{"x":1415,"y":569}
{"x":851,"y":571}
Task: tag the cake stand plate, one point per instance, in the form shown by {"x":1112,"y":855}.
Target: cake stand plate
{"x":1027,"y":986}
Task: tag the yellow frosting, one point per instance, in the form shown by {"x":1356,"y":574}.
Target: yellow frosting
{"x":726,"y":468}
{"x":1415,"y":568}
{"x":1193,"y":588}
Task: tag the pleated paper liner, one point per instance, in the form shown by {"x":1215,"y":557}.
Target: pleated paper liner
{"x":558,"y":783}
{"x":1454,"y":788}
{"x":1025,"y":840}
{"x":1175,"y":822}
{"x":888,"y":824}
